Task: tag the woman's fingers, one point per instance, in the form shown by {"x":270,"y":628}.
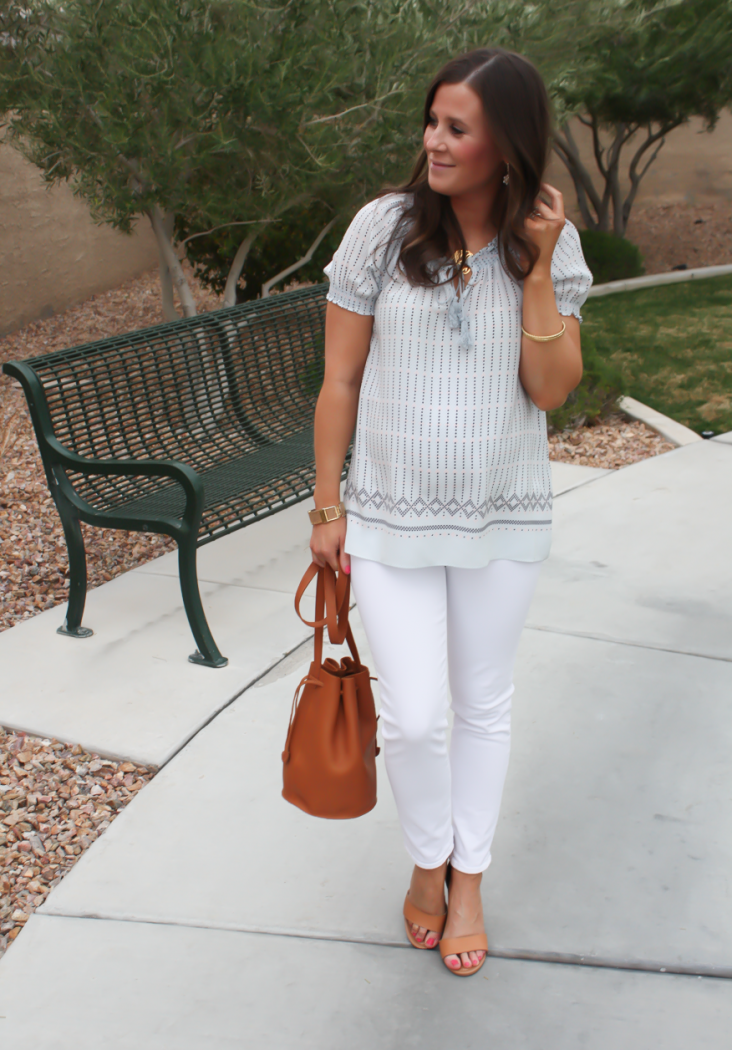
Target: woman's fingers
{"x":556,"y":200}
{"x":345,"y":563}
{"x":327,"y":543}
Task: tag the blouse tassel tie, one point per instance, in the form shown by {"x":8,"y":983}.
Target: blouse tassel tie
{"x":456,"y":316}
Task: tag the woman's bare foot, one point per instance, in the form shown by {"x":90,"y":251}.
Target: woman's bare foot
{"x":464,"y":916}
{"x":427,"y":892}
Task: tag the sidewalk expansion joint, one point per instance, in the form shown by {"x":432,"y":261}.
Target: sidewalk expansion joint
{"x":581,"y":484}
{"x":214,"y":714}
{"x":213,"y":583}
{"x":510,"y":954}
{"x":250,"y":684}
{"x":610,"y":640}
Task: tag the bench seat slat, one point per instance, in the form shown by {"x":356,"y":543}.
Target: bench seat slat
{"x":285,"y":465}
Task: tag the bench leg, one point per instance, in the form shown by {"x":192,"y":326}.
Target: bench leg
{"x":207,"y":653}
{"x":77,"y":574}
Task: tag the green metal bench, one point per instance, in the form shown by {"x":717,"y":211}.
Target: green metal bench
{"x":193,"y":429}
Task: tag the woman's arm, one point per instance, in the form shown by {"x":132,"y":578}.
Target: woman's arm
{"x":548,"y":371}
{"x":347,"y":341}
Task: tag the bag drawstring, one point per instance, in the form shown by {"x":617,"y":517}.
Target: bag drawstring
{"x":307,"y":680}
{"x":374,"y":678}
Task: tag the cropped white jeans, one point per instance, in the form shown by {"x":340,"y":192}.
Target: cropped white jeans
{"x":425,"y":627}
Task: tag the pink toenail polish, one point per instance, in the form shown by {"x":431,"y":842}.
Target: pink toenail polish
{"x":430,"y":942}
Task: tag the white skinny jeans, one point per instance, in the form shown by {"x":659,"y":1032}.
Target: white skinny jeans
{"x":425,"y":626}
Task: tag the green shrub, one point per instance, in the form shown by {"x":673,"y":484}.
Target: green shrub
{"x":610,"y":258}
{"x":596,"y":396}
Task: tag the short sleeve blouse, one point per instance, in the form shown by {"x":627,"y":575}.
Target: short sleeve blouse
{"x":450,"y":463}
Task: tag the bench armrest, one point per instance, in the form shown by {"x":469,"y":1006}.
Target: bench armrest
{"x":56,"y":454}
{"x":186,"y":477}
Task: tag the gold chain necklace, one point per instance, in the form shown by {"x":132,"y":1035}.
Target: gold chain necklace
{"x":461,"y":257}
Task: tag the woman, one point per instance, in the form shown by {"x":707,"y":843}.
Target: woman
{"x":452,"y":326}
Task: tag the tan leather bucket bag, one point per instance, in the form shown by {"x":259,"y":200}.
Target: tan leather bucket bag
{"x":329,"y":761}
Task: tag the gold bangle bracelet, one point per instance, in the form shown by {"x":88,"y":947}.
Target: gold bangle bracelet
{"x":544,"y":338}
{"x":323,"y":515}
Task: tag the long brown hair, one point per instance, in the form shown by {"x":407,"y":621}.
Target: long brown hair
{"x":516,"y":106}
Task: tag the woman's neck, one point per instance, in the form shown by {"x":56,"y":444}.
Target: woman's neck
{"x":473,"y":212}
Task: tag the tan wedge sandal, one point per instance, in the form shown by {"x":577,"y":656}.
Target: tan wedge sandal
{"x":421,"y":918}
{"x":472,"y":942}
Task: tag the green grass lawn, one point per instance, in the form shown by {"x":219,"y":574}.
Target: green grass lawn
{"x":673,"y":345}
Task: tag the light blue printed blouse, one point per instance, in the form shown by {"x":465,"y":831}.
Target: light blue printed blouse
{"x":450,"y":462}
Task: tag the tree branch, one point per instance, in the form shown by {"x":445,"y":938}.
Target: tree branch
{"x":568,"y":152}
{"x":633,"y":173}
{"x":310,"y":153}
{"x":165,"y":247}
{"x":205,"y":233}
{"x":597,"y":148}
{"x":300,"y":262}
{"x":131,"y":165}
{"x":582,"y":201}
{"x":244,"y":248}
{"x":456,"y":17}
{"x":608,"y":161}
{"x":352,"y":109}
{"x":650,"y":139}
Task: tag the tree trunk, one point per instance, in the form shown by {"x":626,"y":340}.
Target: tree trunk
{"x":167,"y":251}
{"x":237,"y":266}
{"x":166,"y":279}
{"x":587,"y":196}
{"x":608,"y":165}
{"x":245,"y":247}
{"x":300,"y":262}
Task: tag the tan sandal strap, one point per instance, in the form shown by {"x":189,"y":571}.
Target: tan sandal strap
{"x":472,"y":942}
{"x":421,"y":918}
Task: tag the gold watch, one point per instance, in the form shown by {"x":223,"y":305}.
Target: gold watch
{"x":323,"y":515}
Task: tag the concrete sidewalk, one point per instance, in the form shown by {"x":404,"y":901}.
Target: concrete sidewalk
{"x":212,"y":914}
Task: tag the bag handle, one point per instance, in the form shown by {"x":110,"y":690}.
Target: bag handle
{"x":332,"y":598}
{"x":337,"y":594}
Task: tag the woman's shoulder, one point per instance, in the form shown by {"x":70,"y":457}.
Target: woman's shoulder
{"x":382,"y":212}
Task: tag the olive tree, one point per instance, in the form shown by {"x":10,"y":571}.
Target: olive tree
{"x":211,"y":115}
{"x":634,"y":71}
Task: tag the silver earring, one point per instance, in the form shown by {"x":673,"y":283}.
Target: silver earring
{"x":505,"y":177}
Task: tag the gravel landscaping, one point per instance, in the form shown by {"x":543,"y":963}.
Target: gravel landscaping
{"x":615,"y":442}
{"x":55,"y":800}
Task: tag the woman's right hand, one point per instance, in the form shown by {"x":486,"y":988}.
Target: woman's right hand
{"x":327,"y":545}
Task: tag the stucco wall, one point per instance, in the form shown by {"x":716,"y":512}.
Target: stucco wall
{"x":51,"y":253}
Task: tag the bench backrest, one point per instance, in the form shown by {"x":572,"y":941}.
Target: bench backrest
{"x":201,"y":390}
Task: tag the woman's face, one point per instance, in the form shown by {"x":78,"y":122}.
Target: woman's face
{"x":461,"y":153}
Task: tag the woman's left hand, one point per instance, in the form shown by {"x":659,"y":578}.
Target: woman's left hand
{"x":545,"y":223}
